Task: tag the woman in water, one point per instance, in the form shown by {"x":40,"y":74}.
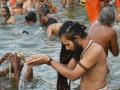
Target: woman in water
{"x":7,"y":18}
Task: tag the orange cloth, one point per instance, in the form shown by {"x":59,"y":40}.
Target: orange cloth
{"x":93,"y":9}
{"x":12,"y":2}
{"x":117,"y":3}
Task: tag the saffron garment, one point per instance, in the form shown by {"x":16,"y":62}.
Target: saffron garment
{"x":117,"y":3}
{"x":93,"y":9}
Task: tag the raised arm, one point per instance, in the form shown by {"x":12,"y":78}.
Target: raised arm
{"x":49,"y":32}
{"x":29,"y":73}
{"x":15,"y":63}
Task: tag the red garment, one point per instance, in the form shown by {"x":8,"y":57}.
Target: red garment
{"x":117,"y":3}
{"x":93,"y":9}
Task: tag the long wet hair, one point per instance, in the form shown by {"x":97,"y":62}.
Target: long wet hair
{"x":66,"y":55}
{"x":73,"y":30}
{"x":8,"y":13}
{"x":107,"y":16}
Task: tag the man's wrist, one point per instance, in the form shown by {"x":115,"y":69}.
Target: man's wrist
{"x":49,"y":61}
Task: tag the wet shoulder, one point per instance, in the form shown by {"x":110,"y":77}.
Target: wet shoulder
{"x":95,"y":53}
{"x":96,"y":48}
{"x":113,"y":32}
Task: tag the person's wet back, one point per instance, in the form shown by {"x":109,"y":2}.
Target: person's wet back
{"x":103,"y":33}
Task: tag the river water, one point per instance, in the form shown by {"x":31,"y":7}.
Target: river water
{"x":12,"y":40}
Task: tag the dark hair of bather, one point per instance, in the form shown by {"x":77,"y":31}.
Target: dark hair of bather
{"x":73,"y":30}
{"x":31,"y":17}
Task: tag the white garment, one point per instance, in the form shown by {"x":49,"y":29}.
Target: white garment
{"x":105,"y":88}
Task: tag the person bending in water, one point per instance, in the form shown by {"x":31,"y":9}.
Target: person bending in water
{"x":53,"y":28}
{"x":11,"y":65}
{"x":7,"y":18}
{"x":92,"y":61}
{"x":103,"y":33}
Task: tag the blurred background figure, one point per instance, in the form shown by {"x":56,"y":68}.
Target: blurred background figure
{"x":6,"y":16}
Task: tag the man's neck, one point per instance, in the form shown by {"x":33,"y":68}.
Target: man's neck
{"x":85,"y":42}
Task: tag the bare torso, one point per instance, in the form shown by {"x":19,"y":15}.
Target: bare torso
{"x":95,"y":77}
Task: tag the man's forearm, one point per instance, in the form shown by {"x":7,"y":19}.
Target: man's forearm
{"x":64,"y":70}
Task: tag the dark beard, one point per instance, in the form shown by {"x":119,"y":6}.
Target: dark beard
{"x":77,"y":52}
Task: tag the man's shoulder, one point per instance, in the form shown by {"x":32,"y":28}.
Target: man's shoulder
{"x":112,"y":32}
{"x":96,"y":48}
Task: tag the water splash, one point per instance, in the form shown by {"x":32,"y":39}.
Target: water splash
{"x":22,"y":81}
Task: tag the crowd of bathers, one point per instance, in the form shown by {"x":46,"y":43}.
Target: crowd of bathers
{"x":44,"y":12}
{"x":31,"y":8}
